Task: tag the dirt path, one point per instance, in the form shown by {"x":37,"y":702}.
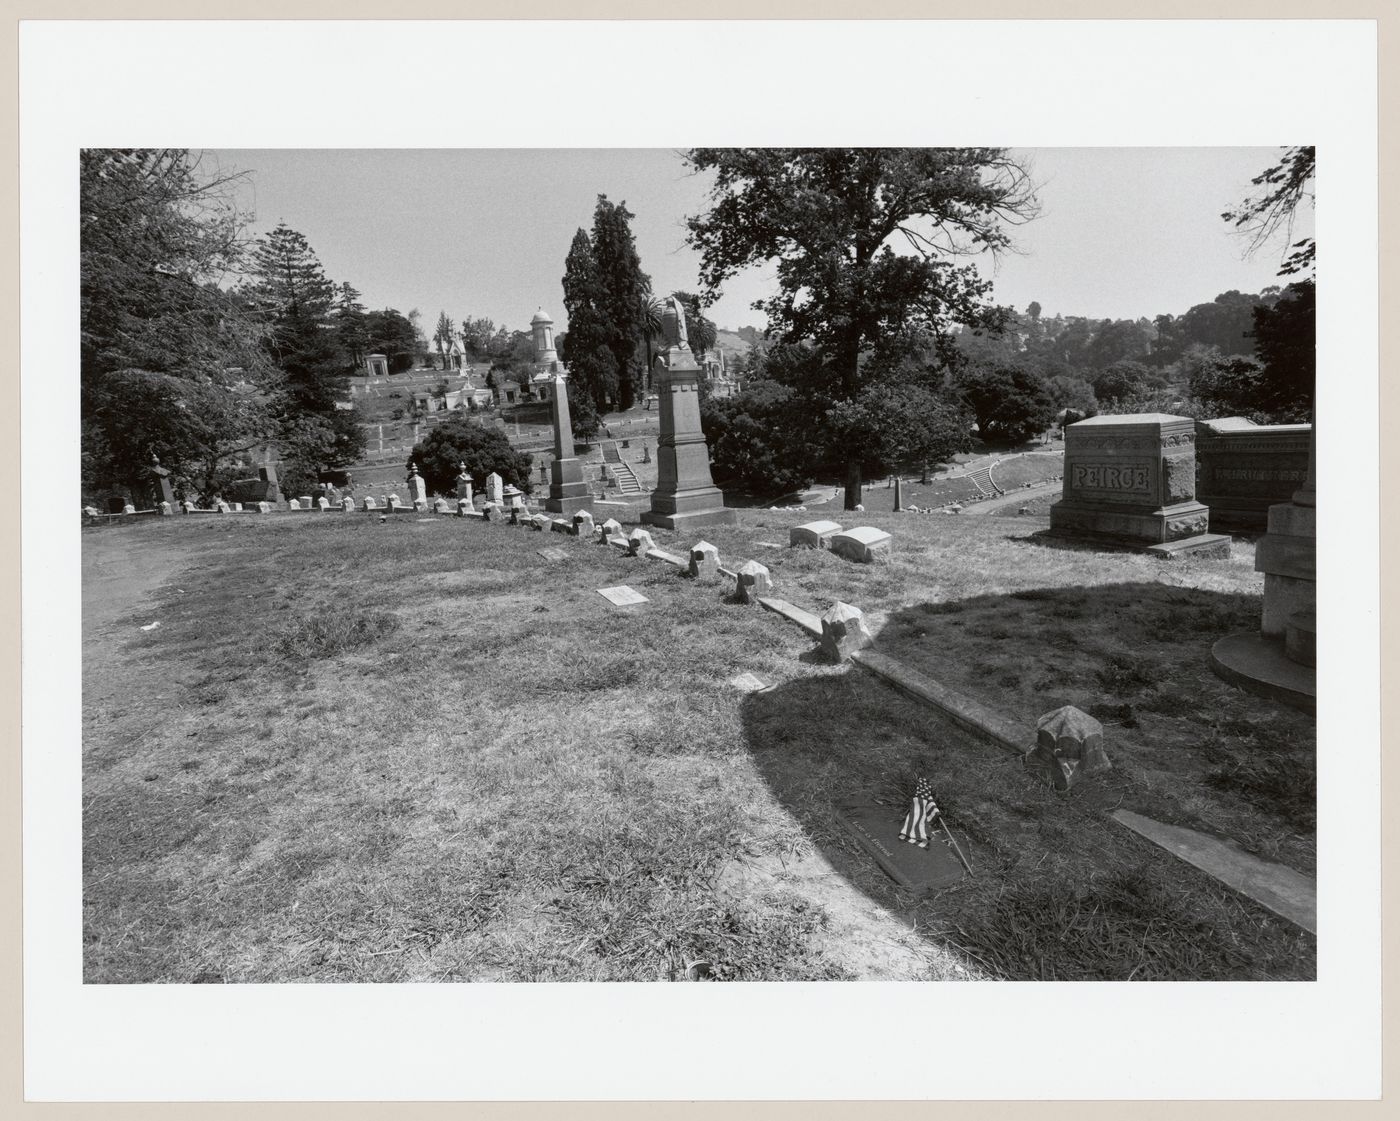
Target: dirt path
{"x":1015,"y":497}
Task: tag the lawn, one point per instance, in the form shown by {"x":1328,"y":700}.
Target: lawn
{"x":359,"y":751}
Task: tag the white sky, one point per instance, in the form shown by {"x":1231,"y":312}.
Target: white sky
{"x":1123,"y":232}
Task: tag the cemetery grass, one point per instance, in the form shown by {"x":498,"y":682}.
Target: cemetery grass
{"x":418,"y":751}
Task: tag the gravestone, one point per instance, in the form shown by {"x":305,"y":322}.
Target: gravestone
{"x":162,"y":478}
{"x":704,"y":560}
{"x":369,"y":502}
{"x":165,"y":509}
{"x":541,"y":522}
{"x":553,"y":553}
{"x":753,"y":581}
{"x":323,"y":503}
{"x":439,"y":505}
{"x":495,"y":489}
{"x":622,"y":596}
{"x":1068,"y":743}
{"x":685,"y":493}
{"x":864,"y":544}
{"x":639,"y":543}
{"x":813,"y":535}
{"x":608,"y":530}
{"x":266,"y":507}
{"x":92,"y":511}
{"x":347,"y":504}
{"x":417,"y":488}
{"x":1130,"y":482}
{"x":1244,"y":468}
{"x":843,"y":631}
{"x":305,"y":501}
{"x":393,"y":503}
{"x":187,"y":506}
{"x":128,"y":509}
{"x":898,"y":494}
{"x":876,"y":828}
{"x":583,"y":524}
{"x":568,"y":492}
{"x":464,"y":486}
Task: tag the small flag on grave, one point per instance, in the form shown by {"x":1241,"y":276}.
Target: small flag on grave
{"x":921,"y":815}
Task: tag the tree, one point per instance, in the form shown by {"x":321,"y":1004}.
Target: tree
{"x":170,"y":363}
{"x":288,"y":278}
{"x":391,"y":334}
{"x":1123,"y":380}
{"x":1286,"y":184}
{"x":586,"y":351}
{"x":1285,"y":340}
{"x":904,"y":427}
{"x":352,"y":329}
{"x":621,"y":287}
{"x":653,"y":309}
{"x":831,"y":218}
{"x":1010,"y":402}
{"x":754,"y":445}
{"x":700,"y":331}
{"x":476,"y":335}
{"x":482,"y":449}
{"x":443,"y":336}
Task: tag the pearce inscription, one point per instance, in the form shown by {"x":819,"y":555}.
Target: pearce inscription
{"x":1130,"y":477}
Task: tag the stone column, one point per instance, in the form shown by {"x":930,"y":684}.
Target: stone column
{"x":568,"y":493}
{"x":685,"y":493}
{"x":464,"y":485}
{"x":417,"y":488}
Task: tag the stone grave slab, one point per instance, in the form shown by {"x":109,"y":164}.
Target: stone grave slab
{"x":748,"y":683}
{"x":622,"y":596}
{"x":876,"y":828}
{"x":863,"y":544}
{"x":553,"y":553}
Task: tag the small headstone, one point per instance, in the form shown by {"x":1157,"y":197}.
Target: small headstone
{"x":439,"y":505}
{"x":188,"y":506}
{"x":490,"y":511}
{"x":622,"y":596}
{"x":305,"y":501}
{"x":347,"y":504}
{"x":369,"y":503}
{"x":843,"y":631}
{"x":704,"y":560}
{"x":495,"y":488}
{"x":266,"y":507}
{"x":583,"y":524}
{"x":323,"y":503}
{"x":813,"y":535}
{"x":754,"y":581}
{"x":898,"y":494}
{"x":553,"y":553}
{"x":91,"y":511}
{"x":541,"y":522}
{"x":863,"y":544}
{"x":164,"y":509}
{"x":639,"y":543}
{"x":393,"y":502}
{"x":223,"y":508}
{"x":646,"y":453}
{"x":1068,"y":743}
{"x":129,"y":509}
{"x":421,"y":505}
{"x":609,"y":529}
{"x":238,"y":507}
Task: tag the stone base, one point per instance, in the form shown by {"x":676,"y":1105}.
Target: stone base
{"x":1300,"y":638}
{"x":568,"y":506}
{"x":1202,"y":545}
{"x":1260,"y":665}
{"x":1144,"y":525}
{"x":716,"y":515}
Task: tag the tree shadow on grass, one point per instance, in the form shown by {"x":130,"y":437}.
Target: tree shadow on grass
{"x":1060,"y":891}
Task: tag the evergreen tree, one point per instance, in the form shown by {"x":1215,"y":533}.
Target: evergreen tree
{"x":351,"y":326}
{"x":621,"y":290}
{"x":443,"y":336}
{"x":592,"y":363}
{"x":289,"y":279}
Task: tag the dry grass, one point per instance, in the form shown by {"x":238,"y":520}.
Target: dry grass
{"x":419,"y":751}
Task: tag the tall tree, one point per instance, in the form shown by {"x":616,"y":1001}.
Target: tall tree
{"x":443,"y":335}
{"x":288,"y":278}
{"x":391,"y":334}
{"x":586,"y":351}
{"x":171,"y":363}
{"x":352,"y":330}
{"x":621,"y":288}
{"x":832,"y":218}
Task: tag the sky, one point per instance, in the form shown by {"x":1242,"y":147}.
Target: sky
{"x":1122,"y":232}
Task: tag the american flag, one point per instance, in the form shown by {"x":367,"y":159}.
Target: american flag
{"x":920,"y":817}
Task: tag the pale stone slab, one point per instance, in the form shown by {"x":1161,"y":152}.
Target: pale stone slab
{"x":1283,"y":891}
{"x":748,"y":683}
{"x":640,"y":543}
{"x":622,"y":596}
{"x":813,"y":535}
{"x":753,"y":581}
{"x":804,"y":619}
{"x":704,"y":559}
{"x":863,"y":544}
{"x":843,"y":631}
{"x":553,"y":553}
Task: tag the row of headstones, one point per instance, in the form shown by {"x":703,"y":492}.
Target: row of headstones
{"x":863,"y":544}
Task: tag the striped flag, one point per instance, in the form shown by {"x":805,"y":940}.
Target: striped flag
{"x":921,"y":816}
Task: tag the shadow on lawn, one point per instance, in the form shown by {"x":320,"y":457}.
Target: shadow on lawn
{"x":1060,"y":891}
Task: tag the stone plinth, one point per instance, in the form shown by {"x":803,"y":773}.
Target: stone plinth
{"x":813,"y":535}
{"x":568,"y":492}
{"x":1130,"y":481}
{"x":685,"y":493}
{"x":864,"y":544}
{"x":1244,"y":468}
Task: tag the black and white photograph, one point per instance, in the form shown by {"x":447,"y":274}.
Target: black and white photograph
{"x":506,"y":566}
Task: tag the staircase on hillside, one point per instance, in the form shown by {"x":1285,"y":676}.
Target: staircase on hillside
{"x":627,"y":481}
{"x":982,"y":480}
{"x":610,"y":453}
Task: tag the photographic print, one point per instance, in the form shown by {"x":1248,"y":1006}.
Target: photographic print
{"x":953,"y":524}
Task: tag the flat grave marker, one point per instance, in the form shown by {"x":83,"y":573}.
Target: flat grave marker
{"x":876,"y":828}
{"x":622,"y":596}
{"x":748,"y":683}
{"x":553,"y":553}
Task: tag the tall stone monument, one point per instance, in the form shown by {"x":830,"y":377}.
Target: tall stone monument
{"x":685,"y":493}
{"x":1130,"y":482}
{"x":568,"y":492}
{"x":417,"y":487}
{"x":162,"y":477}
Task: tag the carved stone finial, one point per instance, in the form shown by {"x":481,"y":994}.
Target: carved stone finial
{"x":673,"y":324}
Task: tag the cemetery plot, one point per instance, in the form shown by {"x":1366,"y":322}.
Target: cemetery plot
{"x":622,"y":596}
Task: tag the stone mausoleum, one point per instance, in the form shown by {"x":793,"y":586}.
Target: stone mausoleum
{"x":1244,"y":468}
{"x":1130,"y":481}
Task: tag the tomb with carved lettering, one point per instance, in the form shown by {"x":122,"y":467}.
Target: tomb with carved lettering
{"x":1130,"y":481}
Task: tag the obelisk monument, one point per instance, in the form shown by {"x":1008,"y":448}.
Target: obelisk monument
{"x":685,"y":493}
{"x":568,"y":493}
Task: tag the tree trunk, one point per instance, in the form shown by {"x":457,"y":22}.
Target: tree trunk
{"x":852,"y":483}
